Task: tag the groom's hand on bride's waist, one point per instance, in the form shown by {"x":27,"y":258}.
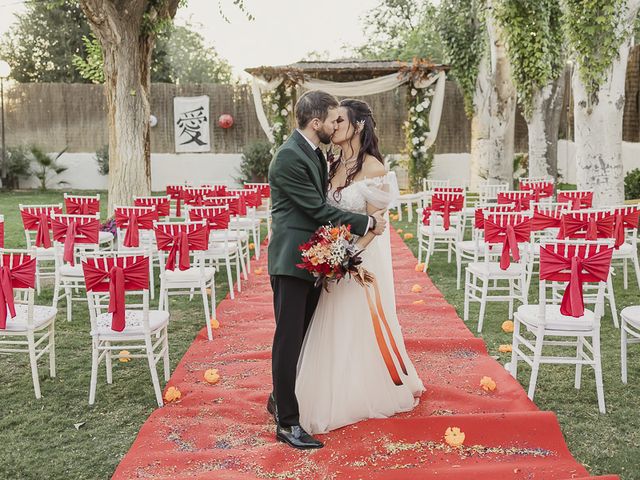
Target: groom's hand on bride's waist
{"x":378,"y":223}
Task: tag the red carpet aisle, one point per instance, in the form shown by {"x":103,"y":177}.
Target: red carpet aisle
{"x":223,"y":431}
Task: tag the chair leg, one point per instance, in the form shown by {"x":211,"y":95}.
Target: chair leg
{"x":467,"y":280}
{"x":512,"y":294}
{"x":52,"y":350}
{"x":161,"y":298}
{"x":153,"y":370}
{"x":230,"y":278}
{"x":165,"y":357}
{"x":458,"y":268}
{"x":636,"y":267}
{"x":625,"y":274}
{"x":612,"y":302}
{"x":108,"y":363}
{"x":34,"y":364}
{"x":515,"y":342}
{"x":94,"y":371}
{"x":207,"y":314}
{"x":483,"y":302}
{"x":152,"y":282}
{"x":579,"y":356}
{"x":537,"y":355}
{"x":597,"y":359}
{"x":623,"y":349}
{"x":68,"y":294}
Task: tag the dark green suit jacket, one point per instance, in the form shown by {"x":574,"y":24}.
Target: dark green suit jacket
{"x":298,"y":181}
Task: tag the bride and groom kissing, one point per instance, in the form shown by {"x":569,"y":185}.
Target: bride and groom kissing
{"x":328,"y":365}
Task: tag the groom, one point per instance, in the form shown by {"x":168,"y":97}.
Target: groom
{"x":298,"y":177}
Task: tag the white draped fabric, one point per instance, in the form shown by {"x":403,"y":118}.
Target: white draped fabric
{"x":355,"y":89}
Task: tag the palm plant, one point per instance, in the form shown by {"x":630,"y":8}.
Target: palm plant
{"x":46,"y":166}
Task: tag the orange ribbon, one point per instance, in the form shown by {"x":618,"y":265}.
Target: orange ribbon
{"x":377,"y":315}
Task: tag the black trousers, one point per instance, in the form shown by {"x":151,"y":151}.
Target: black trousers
{"x":294,"y":301}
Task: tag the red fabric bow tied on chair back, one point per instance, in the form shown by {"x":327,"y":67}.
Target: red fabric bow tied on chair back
{"x":39,"y":219}
{"x":176,"y":193}
{"x":82,"y":206}
{"x":1,"y":233}
{"x":70,"y":229}
{"x":217,"y":218}
{"x":576,"y":269}
{"x":545,"y":219}
{"x":263,"y":189}
{"x":179,"y":240}
{"x":482,"y":211}
{"x":624,"y":218}
{"x":538,"y":189}
{"x":510,"y":233}
{"x":134,"y":220}
{"x":237,"y":205}
{"x":577,"y":199}
{"x":16,"y":271}
{"x":444,"y":204}
{"x":520,"y":200}
{"x":161,"y":204}
{"x":588,"y":226}
{"x":117,"y":276}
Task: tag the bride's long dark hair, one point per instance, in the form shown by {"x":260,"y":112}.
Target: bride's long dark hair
{"x":357,"y":112}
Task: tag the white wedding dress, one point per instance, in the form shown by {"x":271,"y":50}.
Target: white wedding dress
{"x":342,"y":376}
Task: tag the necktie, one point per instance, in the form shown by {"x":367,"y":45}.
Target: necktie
{"x":323,"y":166}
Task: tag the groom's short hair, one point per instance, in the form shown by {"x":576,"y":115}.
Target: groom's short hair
{"x":314,"y":104}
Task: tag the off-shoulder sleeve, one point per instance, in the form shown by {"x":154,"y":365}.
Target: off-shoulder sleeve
{"x":381,"y":192}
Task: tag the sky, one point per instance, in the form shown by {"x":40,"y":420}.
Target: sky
{"x":283,"y":31}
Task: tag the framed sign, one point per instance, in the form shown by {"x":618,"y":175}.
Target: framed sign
{"x":191,"y":124}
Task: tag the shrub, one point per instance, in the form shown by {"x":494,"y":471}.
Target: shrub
{"x":255,"y":162}
{"x":102,"y":158}
{"x":632,"y":184}
{"x":18,"y":166}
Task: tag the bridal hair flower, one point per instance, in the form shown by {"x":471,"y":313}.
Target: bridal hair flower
{"x":454,"y":437}
{"x":360,"y":125}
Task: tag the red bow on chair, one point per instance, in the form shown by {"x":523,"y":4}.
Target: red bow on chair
{"x":20,"y":276}
{"x":79,"y":207}
{"x":594,"y":228}
{"x":511,"y":235}
{"x":444,"y":206}
{"x":41,"y":222}
{"x":180,"y":244}
{"x":132,"y":277}
{"x":596,"y":268}
{"x":134,"y":222}
{"x":577,"y":201}
{"x":74,"y":232}
{"x":215,"y":221}
{"x":478,"y":220}
{"x":539,"y":190}
{"x":622,"y":221}
{"x":520,"y":203}
{"x":540,"y":221}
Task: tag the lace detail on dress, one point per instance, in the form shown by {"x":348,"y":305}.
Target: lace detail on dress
{"x":350,"y":199}
{"x":379,"y":191}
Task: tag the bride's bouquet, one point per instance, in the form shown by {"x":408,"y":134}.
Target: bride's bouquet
{"x":331,"y":254}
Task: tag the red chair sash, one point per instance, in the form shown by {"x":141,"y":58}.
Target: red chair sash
{"x":553,"y":267}
{"x":510,"y":236}
{"x":539,"y":190}
{"x":179,"y":245}
{"x":40,"y":222}
{"x":1,"y":234}
{"x":215,"y":220}
{"x":132,"y":277}
{"x":86,"y":206}
{"x":520,"y":202}
{"x":622,"y":221}
{"x":134,"y":222}
{"x":444,"y":206}
{"x":162,"y":205}
{"x":20,"y":276}
{"x":594,"y":228}
{"x":577,"y":201}
{"x":71,"y":232}
{"x":175,"y":192}
{"x":541,"y":221}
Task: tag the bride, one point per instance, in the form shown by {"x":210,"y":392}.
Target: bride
{"x":351,"y":368}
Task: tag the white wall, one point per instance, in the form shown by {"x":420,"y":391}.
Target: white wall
{"x":197,"y":168}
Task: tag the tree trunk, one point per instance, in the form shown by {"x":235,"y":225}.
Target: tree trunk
{"x":480,"y":140}
{"x":127,"y":46}
{"x":503,"y":109}
{"x":598,"y":127}
{"x":543,"y":129}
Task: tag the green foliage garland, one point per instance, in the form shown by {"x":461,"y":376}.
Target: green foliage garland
{"x":534,"y":39}
{"x":592,"y":29}
{"x":280,"y":108}
{"x":464,"y":40}
{"x":416,"y":129}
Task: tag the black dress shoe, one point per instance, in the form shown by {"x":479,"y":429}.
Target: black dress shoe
{"x":297,"y":437}
{"x":271,"y":407}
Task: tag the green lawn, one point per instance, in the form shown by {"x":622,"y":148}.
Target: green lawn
{"x":39,"y":438}
{"x":607,"y":443}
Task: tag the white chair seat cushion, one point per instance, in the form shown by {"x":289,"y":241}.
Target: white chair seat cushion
{"x":528,"y":314}
{"x":631,"y":315}
{"x":42,"y":315}
{"x":471,"y":246}
{"x":133,"y":322}
{"x":45,"y":253}
{"x":105,"y":237}
{"x":72,"y":270}
{"x":191,"y":275}
{"x":438,"y":230}
{"x":493,"y":269}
